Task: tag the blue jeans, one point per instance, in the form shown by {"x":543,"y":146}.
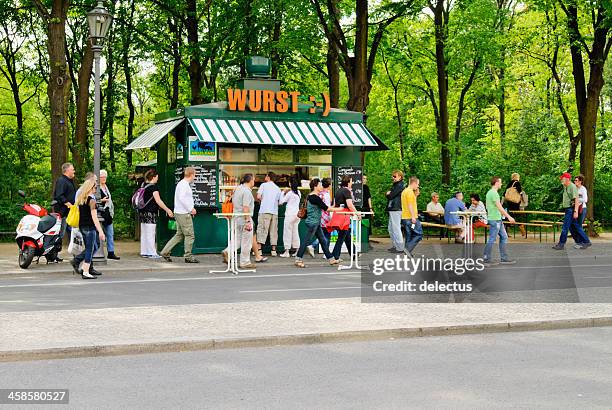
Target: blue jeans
{"x":313,"y":231}
{"x":109,"y":232}
{"x":413,"y":235}
{"x":571,"y":224}
{"x":90,"y":237}
{"x":326,"y":233}
{"x":496,"y":228}
{"x":395,"y":229}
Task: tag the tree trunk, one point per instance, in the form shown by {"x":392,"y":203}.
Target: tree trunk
{"x":195,"y":65}
{"x":333,"y":75}
{"x":461,"y":107}
{"x":440,"y":35}
{"x":502,"y":109}
{"x":81,"y":149}
{"x":128,"y":93}
{"x":176,"y":63}
{"x":359,"y":88}
{"x":109,"y":119}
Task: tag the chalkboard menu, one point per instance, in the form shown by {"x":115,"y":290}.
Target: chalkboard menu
{"x":356,"y":174}
{"x":204,"y":185}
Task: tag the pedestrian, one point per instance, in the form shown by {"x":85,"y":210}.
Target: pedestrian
{"x":314,"y":208}
{"x":455,"y":204}
{"x":478,"y":206}
{"x":291,"y":235}
{"x":367,"y":196}
{"x":148,"y":215}
{"x":325,"y":195}
{"x":571,"y":205}
{"x":184,"y":211}
{"x":108,"y":212}
{"x":269,"y":195}
{"x":90,"y":228}
{"x":410,"y":216}
{"x":513,"y":197}
{"x":394,"y":207}
{"x":495,"y":211}
{"x":344,"y":199}
{"x":64,"y":194}
{"x":583,"y":197}
{"x":243,"y":235}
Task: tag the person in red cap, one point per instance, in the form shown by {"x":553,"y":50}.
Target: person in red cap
{"x":570,"y":220}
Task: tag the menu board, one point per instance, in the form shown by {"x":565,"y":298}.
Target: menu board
{"x":204,"y":185}
{"x":356,"y":174}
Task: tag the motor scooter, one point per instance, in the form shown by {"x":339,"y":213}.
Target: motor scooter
{"x":38,"y":234}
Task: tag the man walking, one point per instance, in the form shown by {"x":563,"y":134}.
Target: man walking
{"x":184,"y":211}
{"x":394,"y":207}
{"x":410,"y":216}
{"x":269,"y":195}
{"x":494,"y":216}
{"x":64,"y":193}
{"x":244,"y":203}
{"x":570,"y":204}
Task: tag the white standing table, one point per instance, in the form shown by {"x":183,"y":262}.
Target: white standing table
{"x":233,"y":244}
{"x":354,"y":253}
{"x":466,"y":218}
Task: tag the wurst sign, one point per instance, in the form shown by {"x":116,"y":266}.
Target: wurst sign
{"x":272,"y":101}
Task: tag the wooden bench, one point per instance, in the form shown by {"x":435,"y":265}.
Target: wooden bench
{"x":448,"y":228}
{"x":535,"y":225}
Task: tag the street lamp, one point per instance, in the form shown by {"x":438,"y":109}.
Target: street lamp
{"x":99,"y":20}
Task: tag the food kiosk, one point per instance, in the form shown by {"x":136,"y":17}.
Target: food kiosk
{"x":260,"y":128}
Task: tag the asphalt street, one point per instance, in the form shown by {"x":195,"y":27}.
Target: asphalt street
{"x":279,"y":280}
{"x":561,"y":369}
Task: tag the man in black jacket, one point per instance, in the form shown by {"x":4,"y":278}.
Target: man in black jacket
{"x":64,"y":193}
{"x":394,"y":206}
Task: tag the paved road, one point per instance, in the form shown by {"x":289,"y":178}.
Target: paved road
{"x":279,"y":280}
{"x":564,"y":369}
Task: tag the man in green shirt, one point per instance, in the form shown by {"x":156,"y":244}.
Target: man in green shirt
{"x":570,"y":205}
{"x":494,"y":215}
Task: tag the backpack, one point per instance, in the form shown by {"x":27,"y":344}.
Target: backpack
{"x":138,"y":201}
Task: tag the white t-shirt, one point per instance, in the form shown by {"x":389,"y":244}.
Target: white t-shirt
{"x":480,"y":208}
{"x":293,"y":202}
{"x":183,"y":198}
{"x":583,"y":196}
{"x":270,"y":197}
{"x":435,"y":208}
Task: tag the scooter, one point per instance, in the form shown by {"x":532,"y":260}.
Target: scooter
{"x":38,"y":234}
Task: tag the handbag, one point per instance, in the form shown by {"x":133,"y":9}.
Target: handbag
{"x":512,"y":194}
{"x":73,"y":216}
{"x":303,"y":211}
{"x":340,"y":222}
{"x":108,"y":219}
{"x":77,"y":244}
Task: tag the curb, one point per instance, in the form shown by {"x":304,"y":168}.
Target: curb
{"x":298,"y":339}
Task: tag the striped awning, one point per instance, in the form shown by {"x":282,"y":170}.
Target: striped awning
{"x":282,"y":132}
{"x":154,"y":134}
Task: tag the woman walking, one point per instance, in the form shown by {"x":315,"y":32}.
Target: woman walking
{"x":314,"y":207}
{"x":291,"y":236}
{"x":513,"y":205}
{"x":90,"y":228}
{"x":148,"y":215}
{"x":109,"y":213}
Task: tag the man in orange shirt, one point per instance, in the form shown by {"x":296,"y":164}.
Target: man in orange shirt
{"x":410,"y":217}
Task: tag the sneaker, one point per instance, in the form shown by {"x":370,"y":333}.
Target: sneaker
{"x":488,"y":264}
{"x":391,"y":249}
{"x":273,"y":253}
{"x":582,"y":245}
{"x":586,"y":245}
{"x":396,"y":251}
{"x":407,"y":253}
{"x":187,"y":260}
{"x":310,"y":251}
{"x":508,"y":262}
{"x":558,"y":247}
{"x":285,"y":254}
{"x":111,"y":255}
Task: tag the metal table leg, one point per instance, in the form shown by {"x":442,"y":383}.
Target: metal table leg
{"x":229,"y":247}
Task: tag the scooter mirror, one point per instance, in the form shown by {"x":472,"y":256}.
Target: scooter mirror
{"x":21,"y":193}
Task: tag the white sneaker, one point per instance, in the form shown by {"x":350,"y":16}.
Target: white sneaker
{"x":273,"y":253}
{"x":310,"y":251}
{"x":285,"y":254}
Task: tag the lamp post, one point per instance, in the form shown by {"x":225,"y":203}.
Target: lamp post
{"x":99,"y":20}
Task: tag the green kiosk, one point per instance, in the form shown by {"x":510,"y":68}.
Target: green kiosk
{"x":260,"y":129}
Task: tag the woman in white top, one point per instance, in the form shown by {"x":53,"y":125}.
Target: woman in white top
{"x":291,"y":236}
{"x":478,"y":206}
{"x":583,"y":197}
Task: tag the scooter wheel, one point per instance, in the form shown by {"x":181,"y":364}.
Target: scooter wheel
{"x":26,"y":256}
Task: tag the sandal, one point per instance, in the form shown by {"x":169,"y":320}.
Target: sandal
{"x":300,"y":264}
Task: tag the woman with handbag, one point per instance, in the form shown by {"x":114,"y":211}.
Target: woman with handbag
{"x":148,"y":215}
{"x":341,"y":222}
{"x":109,"y":213}
{"x":513,"y":198}
{"x":314,"y":208}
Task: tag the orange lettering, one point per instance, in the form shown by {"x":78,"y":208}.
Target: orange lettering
{"x":294,"y":100}
{"x":255,"y":100}
{"x":236,"y":100}
{"x":281,"y":101}
{"x":268,"y":101}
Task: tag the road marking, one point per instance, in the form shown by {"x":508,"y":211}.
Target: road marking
{"x":154,"y":280}
{"x":297,"y":289}
{"x":597,"y":277}
{"x":548,"y":267}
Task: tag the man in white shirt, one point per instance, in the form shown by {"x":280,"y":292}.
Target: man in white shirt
{"x":269,"y":196}
{"x":184,"y":211}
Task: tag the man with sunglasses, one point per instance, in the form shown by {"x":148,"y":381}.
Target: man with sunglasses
{"x":394,"y":207}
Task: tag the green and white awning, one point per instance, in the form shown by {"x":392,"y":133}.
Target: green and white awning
{"x":154,"y":134}
{"x":300,"y":133}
